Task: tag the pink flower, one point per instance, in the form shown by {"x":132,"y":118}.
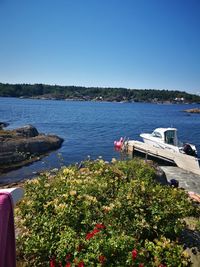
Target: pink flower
{"x":81,"y":264}
{"x":91,"y":234}
{"x":141,"y":265}
{"x":52,"y":262}
{"x":102,"y":259}
{"x":134,"y":254}
{"x":100,"y":226}
{"x":95,"y":231}
{"x":68,"y":257}
{"x":162,"y":265}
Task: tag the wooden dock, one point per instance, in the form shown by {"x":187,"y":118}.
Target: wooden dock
{"x":187,"y":180}
{"x":181,"y":160}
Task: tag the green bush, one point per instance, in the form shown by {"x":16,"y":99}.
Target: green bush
{"x":102,"y":215}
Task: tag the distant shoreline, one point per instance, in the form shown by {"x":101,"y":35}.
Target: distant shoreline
{"x":80,"y":93}
{"x":98,"y":100}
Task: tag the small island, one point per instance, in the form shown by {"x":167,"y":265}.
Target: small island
{"x":24,"y":145}
{"x":193,"y":110}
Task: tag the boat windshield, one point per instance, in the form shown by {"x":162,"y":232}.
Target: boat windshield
{"x":156,"y":134}
{"x":170,"y":137}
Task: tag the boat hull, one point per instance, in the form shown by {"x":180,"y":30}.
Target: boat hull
{"x":155,"y":143}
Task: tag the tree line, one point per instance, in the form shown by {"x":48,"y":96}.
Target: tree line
{"x":95,"y":93}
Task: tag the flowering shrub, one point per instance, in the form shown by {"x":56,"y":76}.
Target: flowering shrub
{"x":102,"y":215}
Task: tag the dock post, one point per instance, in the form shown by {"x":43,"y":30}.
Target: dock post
{"x":146,"y":156}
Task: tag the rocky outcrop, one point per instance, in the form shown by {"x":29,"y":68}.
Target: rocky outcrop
{"x":193,"y":110}
{"x":3,"y":124}
{"x":24,"y":144}
{"x":160,"y":176}
{"x":26,"y":131}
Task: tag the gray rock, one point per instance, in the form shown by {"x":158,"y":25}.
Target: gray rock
{"x":27,"y":131}
{"x":161,"y":176}
{"x":25,"y":143}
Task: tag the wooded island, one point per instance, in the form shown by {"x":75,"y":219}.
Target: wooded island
{"x":57,"y":92}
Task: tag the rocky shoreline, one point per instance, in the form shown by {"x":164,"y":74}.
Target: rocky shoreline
{"x":23,"y":146}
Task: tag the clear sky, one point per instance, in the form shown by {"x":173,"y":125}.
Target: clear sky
{"x":109,"y":43}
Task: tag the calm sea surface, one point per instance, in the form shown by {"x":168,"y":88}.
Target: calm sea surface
{"x":90,"y":128}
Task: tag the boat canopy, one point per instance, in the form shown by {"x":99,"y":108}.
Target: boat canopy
{"x":168,"y":135}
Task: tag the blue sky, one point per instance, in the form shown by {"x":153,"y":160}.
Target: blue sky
{"x":109,"y":43}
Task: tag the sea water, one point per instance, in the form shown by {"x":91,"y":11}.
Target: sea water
{"x":90,"y":128}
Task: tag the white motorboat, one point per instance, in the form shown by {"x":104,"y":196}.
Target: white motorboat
{"x":166,"y":138}
{"x":163,"y":144}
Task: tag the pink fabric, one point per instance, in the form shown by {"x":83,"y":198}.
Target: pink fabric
{"x":7,"y":231}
